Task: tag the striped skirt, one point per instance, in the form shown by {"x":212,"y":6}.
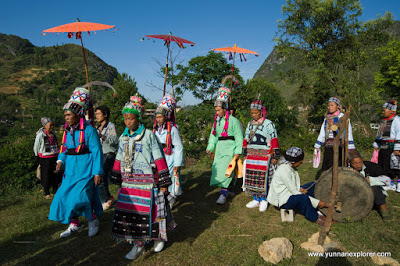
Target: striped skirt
{"x":257,"y":166}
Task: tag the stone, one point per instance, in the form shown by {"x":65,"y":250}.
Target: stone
{"x":385,"y":261}
{"x":276,"y":249}
{"x":312,"y":243}
{"x":332,"y":247}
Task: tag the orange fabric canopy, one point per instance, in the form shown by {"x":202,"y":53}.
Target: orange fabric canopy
{"x":234,"y":49}
{"x":168,"y":38}
{"x":79,"y":27}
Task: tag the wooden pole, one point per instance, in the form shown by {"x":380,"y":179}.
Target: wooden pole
{"x":335,"y":180}
{"x":233,"y":68}
{"x":346,"y":144}
{"x":84,"y":61}
{"x":166,"y":70}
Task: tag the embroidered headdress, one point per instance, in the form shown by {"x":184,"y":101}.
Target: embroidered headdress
{"x":223,"y":102}
{"x":390,"y":105}
{"x":78,"y":103}
{"x":45,"y":120}
{"x":336,"y":100}
{"x":134,"y":106}
{"x":166,"y":108}
{"x":167,"y":105}
{"x":257,"y":104}
{"x":223,"y":98}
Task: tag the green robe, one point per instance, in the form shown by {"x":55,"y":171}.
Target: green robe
{"x":225,"y":150}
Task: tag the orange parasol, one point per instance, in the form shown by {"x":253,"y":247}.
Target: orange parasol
{"x":168,"y":38}
{"x":77,"y":28}
{"x":232,"y":53}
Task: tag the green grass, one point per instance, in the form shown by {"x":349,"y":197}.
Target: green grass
{"x":206,"y":233}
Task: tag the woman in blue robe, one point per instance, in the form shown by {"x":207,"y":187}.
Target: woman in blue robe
{"x":81,"y":155}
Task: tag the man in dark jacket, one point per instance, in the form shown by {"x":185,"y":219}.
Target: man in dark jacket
{"x":371,"y":171}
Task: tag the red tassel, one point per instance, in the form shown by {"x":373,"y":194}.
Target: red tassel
{"x":244,"y":58}
{"x":154,"y":125}
{"x":168,"y":141}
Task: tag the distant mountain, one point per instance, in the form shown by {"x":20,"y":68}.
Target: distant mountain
{"x":275,"y":66}
{"x":22,"y":63}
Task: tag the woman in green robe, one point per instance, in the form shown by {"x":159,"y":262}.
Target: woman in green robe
{"x":227,"y":139}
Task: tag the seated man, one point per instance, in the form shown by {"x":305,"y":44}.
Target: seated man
{"x":371,"y":171}
{"x":285,"y":191}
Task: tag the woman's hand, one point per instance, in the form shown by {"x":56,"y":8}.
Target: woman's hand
{"x":304,"y":191}
{"x":97,"y":180}
{"x":58,"y":167}
{"x":164,"y":190}
{"x":208,"y":152}
{"x":323,"y":204}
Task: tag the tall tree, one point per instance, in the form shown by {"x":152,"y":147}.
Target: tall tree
{"x":388,"y":78}
{"x":328,"y":39}
{"x":276,"y":106}
{"x":125,"y":86}
{"x":204,"y":74}
{"x":322,"y":32}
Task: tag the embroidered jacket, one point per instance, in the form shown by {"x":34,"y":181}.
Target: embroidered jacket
{"x":146,"y":151}
{"x":46,"y":145}
{"x":388,"y":134}
{"x":264,"y":138}
{"x":176,"y":158}
{"x":327,"y":135}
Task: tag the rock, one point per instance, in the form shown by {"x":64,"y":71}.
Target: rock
{"x":385,"y":261}
{"x":312,"y":243}
{"x":332,"y":247}
{"x":276,"y":249}
{"x":312,"y":247}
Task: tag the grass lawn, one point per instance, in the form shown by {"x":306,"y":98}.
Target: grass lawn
{"x":206,"y":234}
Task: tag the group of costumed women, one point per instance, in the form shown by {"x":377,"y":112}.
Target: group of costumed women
{"x":147,"y":165}
{"x":280,"y":186}
{"x":147,"y":168}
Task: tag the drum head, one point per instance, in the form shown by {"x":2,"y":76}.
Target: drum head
{"x":354,"y":193}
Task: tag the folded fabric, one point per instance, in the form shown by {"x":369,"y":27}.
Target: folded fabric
{"x":317,"y":158}
{"x":374,"y":158}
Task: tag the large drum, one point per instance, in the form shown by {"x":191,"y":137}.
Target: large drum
{"x":355,"y":196}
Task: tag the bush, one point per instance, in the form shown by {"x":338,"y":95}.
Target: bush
{"x":18,"y":166}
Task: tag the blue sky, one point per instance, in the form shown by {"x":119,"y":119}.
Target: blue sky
{"x":210,"y":24}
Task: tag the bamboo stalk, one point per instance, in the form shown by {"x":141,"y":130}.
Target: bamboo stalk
{"x":166,"y":70}
{"x":84,"y":61}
